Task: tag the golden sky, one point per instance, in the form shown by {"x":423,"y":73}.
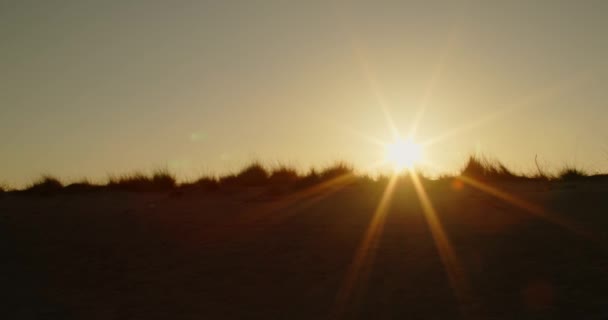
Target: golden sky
{"x":91,"y":88}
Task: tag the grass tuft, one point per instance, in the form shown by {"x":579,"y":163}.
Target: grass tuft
{"x":310,"y":179}
{"x":3,"y":188}
{"x":45,"y":185}
{"x":570,"y":173}
{"x":338,"y":170}
{"x":160,"y":180}
{"x":283,"y":175}
{"x":487,"y":170}
{"x":253,"y":175}
{"x":81,"y":187}
{"x":203,"y":184}
{"x":163,"y":179}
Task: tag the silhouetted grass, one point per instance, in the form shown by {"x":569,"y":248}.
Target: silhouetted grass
{"x":284,"y":178}
{"x":160,"y":180}
{"x":570,"y":173}
{"x":203,"y":184}
{"x":81,"y":187}
{"x":339,"y":169}
{"x":365,"y":179}
{"x":45,"y":185}
{"x":283,"y":175}
{"x":494,"y":171}
{"x":383,"y":179}
{"x":253,"y":175}
{"x":487,"y":170}
{"x":308,"y":180}
{"x":163,"y":179}
{"x":131,"y":181}
{"x":541,"y":174}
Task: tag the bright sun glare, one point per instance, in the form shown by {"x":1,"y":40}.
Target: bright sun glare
{"x":403,"y":154}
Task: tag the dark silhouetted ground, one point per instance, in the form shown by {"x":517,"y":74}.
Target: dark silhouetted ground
{"x":255,"y":254}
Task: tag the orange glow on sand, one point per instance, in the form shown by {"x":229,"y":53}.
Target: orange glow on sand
{"x":362,"y":261}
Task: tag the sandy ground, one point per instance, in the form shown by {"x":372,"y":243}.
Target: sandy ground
{"x":260,"y":255}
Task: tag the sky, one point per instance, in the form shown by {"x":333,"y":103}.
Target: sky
{"x":93,"y":88}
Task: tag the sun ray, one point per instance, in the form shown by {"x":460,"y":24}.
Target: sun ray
{"x":465,"y":127}
{"x":543,"y":94}
{"x":302,"y":199}
{"x":270,"y":215}
{"x":454,"y":271}
{"x":273,"y":213}
{"x":382,"y":103}
{"x":371,"y":139}
{"x":430,"y":88}
{"x":529,"y":207}
{"x":364,"y":255}
{"x":373,"y":83}
{"x":298,"y":201}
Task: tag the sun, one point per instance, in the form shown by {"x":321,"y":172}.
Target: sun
{"x":403,"y":154}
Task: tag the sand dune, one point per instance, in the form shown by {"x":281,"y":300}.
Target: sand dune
{"x":254,"y":255}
